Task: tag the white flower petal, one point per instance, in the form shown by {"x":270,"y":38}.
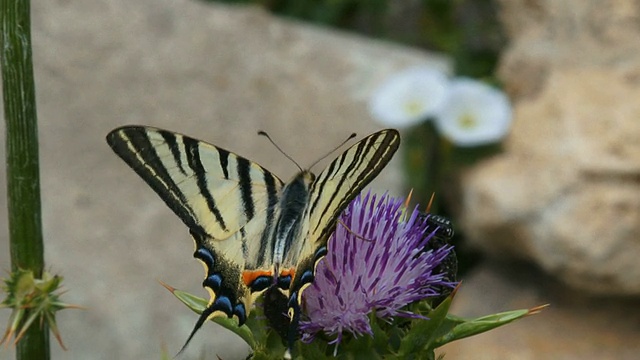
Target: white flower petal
{"x":409,"y":97}
{"x":474,"y":113}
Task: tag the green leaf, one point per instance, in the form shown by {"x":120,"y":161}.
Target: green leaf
{"x":317,"y":350}
{"x":466,"y":328}
{"x":269,"y":345}
{"x":198,"y":304}
{"x":381,"y":339}
{"x":358,"y":348}
{"x":423,"y":332}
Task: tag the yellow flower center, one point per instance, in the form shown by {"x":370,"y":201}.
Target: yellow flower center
{"x":467,"y":121}
{"x":413,"y":107}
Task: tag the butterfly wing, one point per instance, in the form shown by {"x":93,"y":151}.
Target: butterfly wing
{"x":228,"y":203}
{"x":333,"y":189}
{"x":212,"y":190}
{"x":343,"y":179}
{"x":338,"y":184}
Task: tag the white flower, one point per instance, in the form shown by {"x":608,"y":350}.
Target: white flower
{"x":474,"y":113}
{"x":409,"y":96}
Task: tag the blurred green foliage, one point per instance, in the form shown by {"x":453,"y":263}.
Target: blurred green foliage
{"x":466,"y":30}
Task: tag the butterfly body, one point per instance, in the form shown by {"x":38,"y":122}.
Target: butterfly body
{"x":290,"y":225}
{"x":252,"y":231}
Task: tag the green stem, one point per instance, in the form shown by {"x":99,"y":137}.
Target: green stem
{"x":23,"y":181}
{"x":424,"y":165}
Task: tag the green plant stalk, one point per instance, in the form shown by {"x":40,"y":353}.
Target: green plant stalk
{"x":23,"y":178}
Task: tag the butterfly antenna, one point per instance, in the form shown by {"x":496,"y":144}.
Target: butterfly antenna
{"x":279,"y":149}
{"x":333,"y":150}
{"x":352,"y":232}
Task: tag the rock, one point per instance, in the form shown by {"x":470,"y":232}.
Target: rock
{"x":574,"y":327}
{"x":216,"y":72}
{"x":565,"y":35}
{"x":566,"y":192}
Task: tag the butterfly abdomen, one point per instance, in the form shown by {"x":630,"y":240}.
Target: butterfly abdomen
{"x":294,"y":201}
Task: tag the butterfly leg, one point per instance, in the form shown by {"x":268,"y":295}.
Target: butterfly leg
{"x":305,"y":274}
{"x":294,"y":318}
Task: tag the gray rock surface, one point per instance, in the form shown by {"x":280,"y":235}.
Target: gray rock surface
{"x":216,"y":72}
{"x":565,"y":194}
{"x":575,"y":326}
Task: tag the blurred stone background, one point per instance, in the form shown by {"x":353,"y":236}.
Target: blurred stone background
{"x":564,"y":197}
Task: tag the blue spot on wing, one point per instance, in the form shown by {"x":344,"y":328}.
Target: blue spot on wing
{"x":284,"y":282}
{"x":223,"y":304}
{"x":206,"y":256}
{"x":260,"y":283}
{"x":307,"y":277}
{"x":241,"y":313}
{"x":213,"y":281}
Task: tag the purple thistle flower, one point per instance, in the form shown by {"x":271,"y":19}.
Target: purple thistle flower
{"x":377,"y":262}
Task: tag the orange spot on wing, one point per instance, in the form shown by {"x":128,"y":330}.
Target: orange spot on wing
{"x":288,"y":272}
{"x":248,"y":276}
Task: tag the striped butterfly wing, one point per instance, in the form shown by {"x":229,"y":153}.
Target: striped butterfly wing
{"x":213,"y":191}
{"x":333,"y":189}
{"x":338,"y":184}
{"x":226,"y":201}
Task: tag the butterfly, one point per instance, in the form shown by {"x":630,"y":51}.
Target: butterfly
{"x":252,"y":231}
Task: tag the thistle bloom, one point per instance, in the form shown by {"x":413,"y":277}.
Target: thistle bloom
{"x":377,"y":262}
{"x":408,"y":97}
{"x":474,"y":113}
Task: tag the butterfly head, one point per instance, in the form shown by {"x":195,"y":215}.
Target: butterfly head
{"x":305,"y":177}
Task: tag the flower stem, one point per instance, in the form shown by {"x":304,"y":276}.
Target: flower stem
{"x":23,"y":182}
{"x":423,"y":161}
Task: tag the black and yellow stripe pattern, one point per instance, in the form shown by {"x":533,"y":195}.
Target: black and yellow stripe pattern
{"x":252,"y":231}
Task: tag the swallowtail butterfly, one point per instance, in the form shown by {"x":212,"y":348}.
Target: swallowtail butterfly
{"x":252,"y":231}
